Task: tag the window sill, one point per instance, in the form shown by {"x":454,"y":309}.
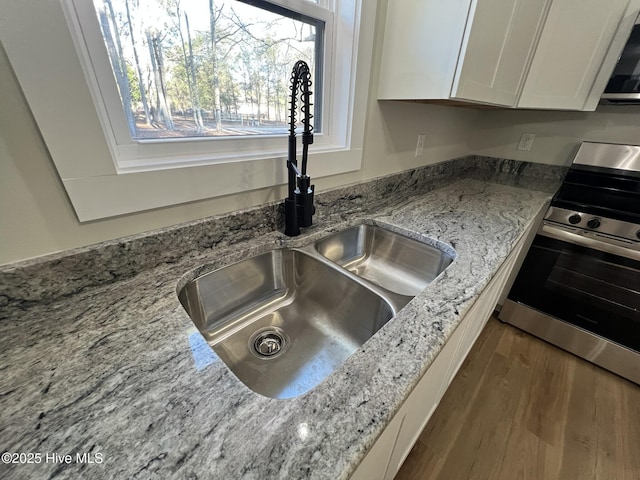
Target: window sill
{"x":98,"y":197}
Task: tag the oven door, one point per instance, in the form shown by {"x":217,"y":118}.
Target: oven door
{"x":583,"y":281}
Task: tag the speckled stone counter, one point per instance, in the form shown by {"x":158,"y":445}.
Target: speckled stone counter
{"x":98,"y":357}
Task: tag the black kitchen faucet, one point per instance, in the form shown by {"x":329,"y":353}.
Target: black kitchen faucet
{"x":298,"y":206}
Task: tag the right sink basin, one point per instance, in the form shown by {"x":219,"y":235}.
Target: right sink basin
{"x":387,"y":259}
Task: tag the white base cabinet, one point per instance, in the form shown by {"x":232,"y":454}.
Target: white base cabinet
{"x":392,"y":447}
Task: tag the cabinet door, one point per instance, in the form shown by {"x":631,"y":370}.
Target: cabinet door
{"x":497,"y":49}
{"x":423,"y":401}
{"x":479,"y":314}
{"x":572,"y":47}
{"x":374,"y":465}
{"x":420,"y":49}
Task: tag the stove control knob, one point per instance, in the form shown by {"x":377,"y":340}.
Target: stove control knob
{"x":593,"y":223}
{"x":575,"y":218}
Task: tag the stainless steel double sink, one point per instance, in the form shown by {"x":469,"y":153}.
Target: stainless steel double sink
{"x":284,"y":320}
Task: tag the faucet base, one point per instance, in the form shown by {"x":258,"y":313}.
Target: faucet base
{"x":306,"y":209}
{"x":291,"y":227}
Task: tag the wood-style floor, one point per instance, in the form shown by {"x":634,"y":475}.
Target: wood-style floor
{"x":521,"y":408}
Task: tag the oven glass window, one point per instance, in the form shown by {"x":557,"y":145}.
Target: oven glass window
{"x":594,"y":290}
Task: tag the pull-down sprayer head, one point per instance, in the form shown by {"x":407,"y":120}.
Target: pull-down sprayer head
{"x":300,"y":80}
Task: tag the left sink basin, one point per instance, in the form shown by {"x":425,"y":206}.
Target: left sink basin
{"x":283,"y":320}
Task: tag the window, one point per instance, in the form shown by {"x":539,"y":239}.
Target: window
{"x":200,"y":68}
{"x":112,"y":162}
{"x":177,"y":79}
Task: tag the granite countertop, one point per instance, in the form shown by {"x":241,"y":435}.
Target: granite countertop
{"x":118,"y":372}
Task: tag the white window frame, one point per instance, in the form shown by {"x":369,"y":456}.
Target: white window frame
{"x":105,"y":177}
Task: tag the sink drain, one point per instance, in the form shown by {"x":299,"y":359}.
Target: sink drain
{"x":267,"y":343}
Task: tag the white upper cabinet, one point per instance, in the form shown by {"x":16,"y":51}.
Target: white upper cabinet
{"x":459,"y":49}
{"x":420,"y":48}
{"x":497,"y":49}
{"x":544,"y":54}
{"x":571,"y":52}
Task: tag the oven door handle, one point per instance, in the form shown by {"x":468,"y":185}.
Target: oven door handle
{"x":550,"y":231}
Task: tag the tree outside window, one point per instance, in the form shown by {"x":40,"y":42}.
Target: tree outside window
{"x":206,"y":68}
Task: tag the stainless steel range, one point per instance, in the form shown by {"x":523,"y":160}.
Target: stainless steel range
{"x":579,"y":285}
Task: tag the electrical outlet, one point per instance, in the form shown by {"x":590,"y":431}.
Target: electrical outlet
{"x":420,"y":146}
{"x":526,"y":141}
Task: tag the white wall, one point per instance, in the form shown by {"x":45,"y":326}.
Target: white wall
{"x":36,"y":217}
{"x":558,"y":134}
